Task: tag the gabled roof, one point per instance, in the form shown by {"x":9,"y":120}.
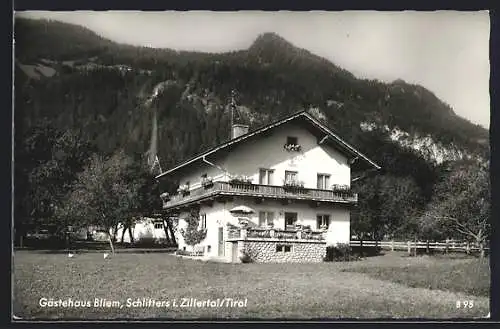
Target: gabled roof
{"x":302,"y":115}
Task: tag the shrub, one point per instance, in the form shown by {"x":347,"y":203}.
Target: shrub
{"x":145,"y":241}
{"x":248,"y":254}
{"x":183,"y":252}
{"x":342,"y":252}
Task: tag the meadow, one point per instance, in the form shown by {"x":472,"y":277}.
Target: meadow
{"x":386,"y":286}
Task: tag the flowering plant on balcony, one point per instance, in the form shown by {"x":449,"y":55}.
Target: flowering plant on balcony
{"x":165,"y":196}
{"x":207,"y":182}
{"x":292,"y":147}
{"x":323,"y":227}
{"x":183,"y":189}
{"x":240,"y":179}
{"x":293,"y":184}
{"x":344,"y":190}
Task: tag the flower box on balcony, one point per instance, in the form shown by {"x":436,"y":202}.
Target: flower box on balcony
{"x":344,"y":191}
{"x":234,"y":180}
{"x":292,"y":147}
{"x":207,"y":182}
{"x":165,"y":196}
{"x":183,"y":190}
{"x":293,"y":185}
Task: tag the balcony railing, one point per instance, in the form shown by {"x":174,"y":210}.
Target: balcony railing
{"x":271,"y":233}
{"x":265,"y":191}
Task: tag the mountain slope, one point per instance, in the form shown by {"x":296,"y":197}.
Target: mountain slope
{"x":75,"y":78}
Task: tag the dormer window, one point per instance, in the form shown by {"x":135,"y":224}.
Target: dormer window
{"x":292,"y":144}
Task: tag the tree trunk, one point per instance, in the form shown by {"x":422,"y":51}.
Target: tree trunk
{"x":123,"y":232}
{"x":165,"y":228}
{"x":171,"y":230}
{"x":111,"y":243}
{"x":482,"y":253}
{"x":131,"y":235}
{"x":115,"y":232}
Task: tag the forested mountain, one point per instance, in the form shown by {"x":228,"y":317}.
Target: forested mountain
{"x":75,"y":79}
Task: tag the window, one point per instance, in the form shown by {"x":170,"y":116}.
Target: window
{"x":283,"y":248}
{"x":266,"y":176}
{"x":291,"y":176}
{"x":203,"y":221}
{"x":266,"y":218}
{"x":158,"y":226}
{"x":322,"y":220}
{"x":290,"y":220}
{"x":323,"y":181}
{"x":291,"y":140}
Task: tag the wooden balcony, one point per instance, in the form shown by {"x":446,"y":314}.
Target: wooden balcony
{"x":259,"y":191}
{"x":258,"y":233}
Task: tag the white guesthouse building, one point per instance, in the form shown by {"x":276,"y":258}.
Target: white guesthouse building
{"x":280,"y":193}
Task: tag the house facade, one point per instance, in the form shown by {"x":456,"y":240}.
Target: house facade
{"x":277,"y":194}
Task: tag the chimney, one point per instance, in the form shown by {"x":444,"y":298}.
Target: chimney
{"x":238,"y":130}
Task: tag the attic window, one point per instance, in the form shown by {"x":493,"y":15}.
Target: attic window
{"x":292,"y":144}
{"x":291,"y":140}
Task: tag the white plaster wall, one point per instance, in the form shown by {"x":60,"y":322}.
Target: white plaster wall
{"x":142,"y":229}
{"x":219,"y":215}
{"x":268,"y":152}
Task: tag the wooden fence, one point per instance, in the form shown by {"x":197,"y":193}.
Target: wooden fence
{"x":411,"y":246}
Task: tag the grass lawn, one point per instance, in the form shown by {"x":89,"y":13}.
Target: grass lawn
{"x":470,"y":276}
{"x":300,"y":291}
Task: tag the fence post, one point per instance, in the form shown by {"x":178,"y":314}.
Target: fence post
{"x":446,"y":247}
{"x":467,"y":248}
{"x":427,"y":247}
{"x":409,"y":247}
{"x":392,"y":245}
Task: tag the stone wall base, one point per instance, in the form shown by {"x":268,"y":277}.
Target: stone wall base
{"x":282,"y":251}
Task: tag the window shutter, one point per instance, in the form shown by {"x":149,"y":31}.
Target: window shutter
{"x":262,"y":218}
{"x":270,"y":218}
{"x":262,"y":176}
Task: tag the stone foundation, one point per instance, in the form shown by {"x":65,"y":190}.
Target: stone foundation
{"x":283,"y":251}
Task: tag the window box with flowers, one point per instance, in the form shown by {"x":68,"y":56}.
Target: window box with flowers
{"x":183,"y":190}
{"x":207,"y":182}
{"x":292,"y":147}
{"x":165,"y":197}
{"x":293,"y":185}
{"x":240,"y":179}
{"x":343,"y":190}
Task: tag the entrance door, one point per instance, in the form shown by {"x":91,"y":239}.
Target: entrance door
{"x":234,"y":251}
{"x":290,"y":220}
{"x":221,"y":241}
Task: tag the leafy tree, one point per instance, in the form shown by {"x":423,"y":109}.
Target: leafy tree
{"x":101,"y":196}
{"x":47,"y":162}
{"x":386,"y":204}
{"x":192,"y":233}
{"x":461,"y":204}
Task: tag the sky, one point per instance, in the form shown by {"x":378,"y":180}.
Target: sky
{"x":447,"y":52}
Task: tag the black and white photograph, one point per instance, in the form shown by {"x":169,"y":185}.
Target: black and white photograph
{"x":251,"y":165}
